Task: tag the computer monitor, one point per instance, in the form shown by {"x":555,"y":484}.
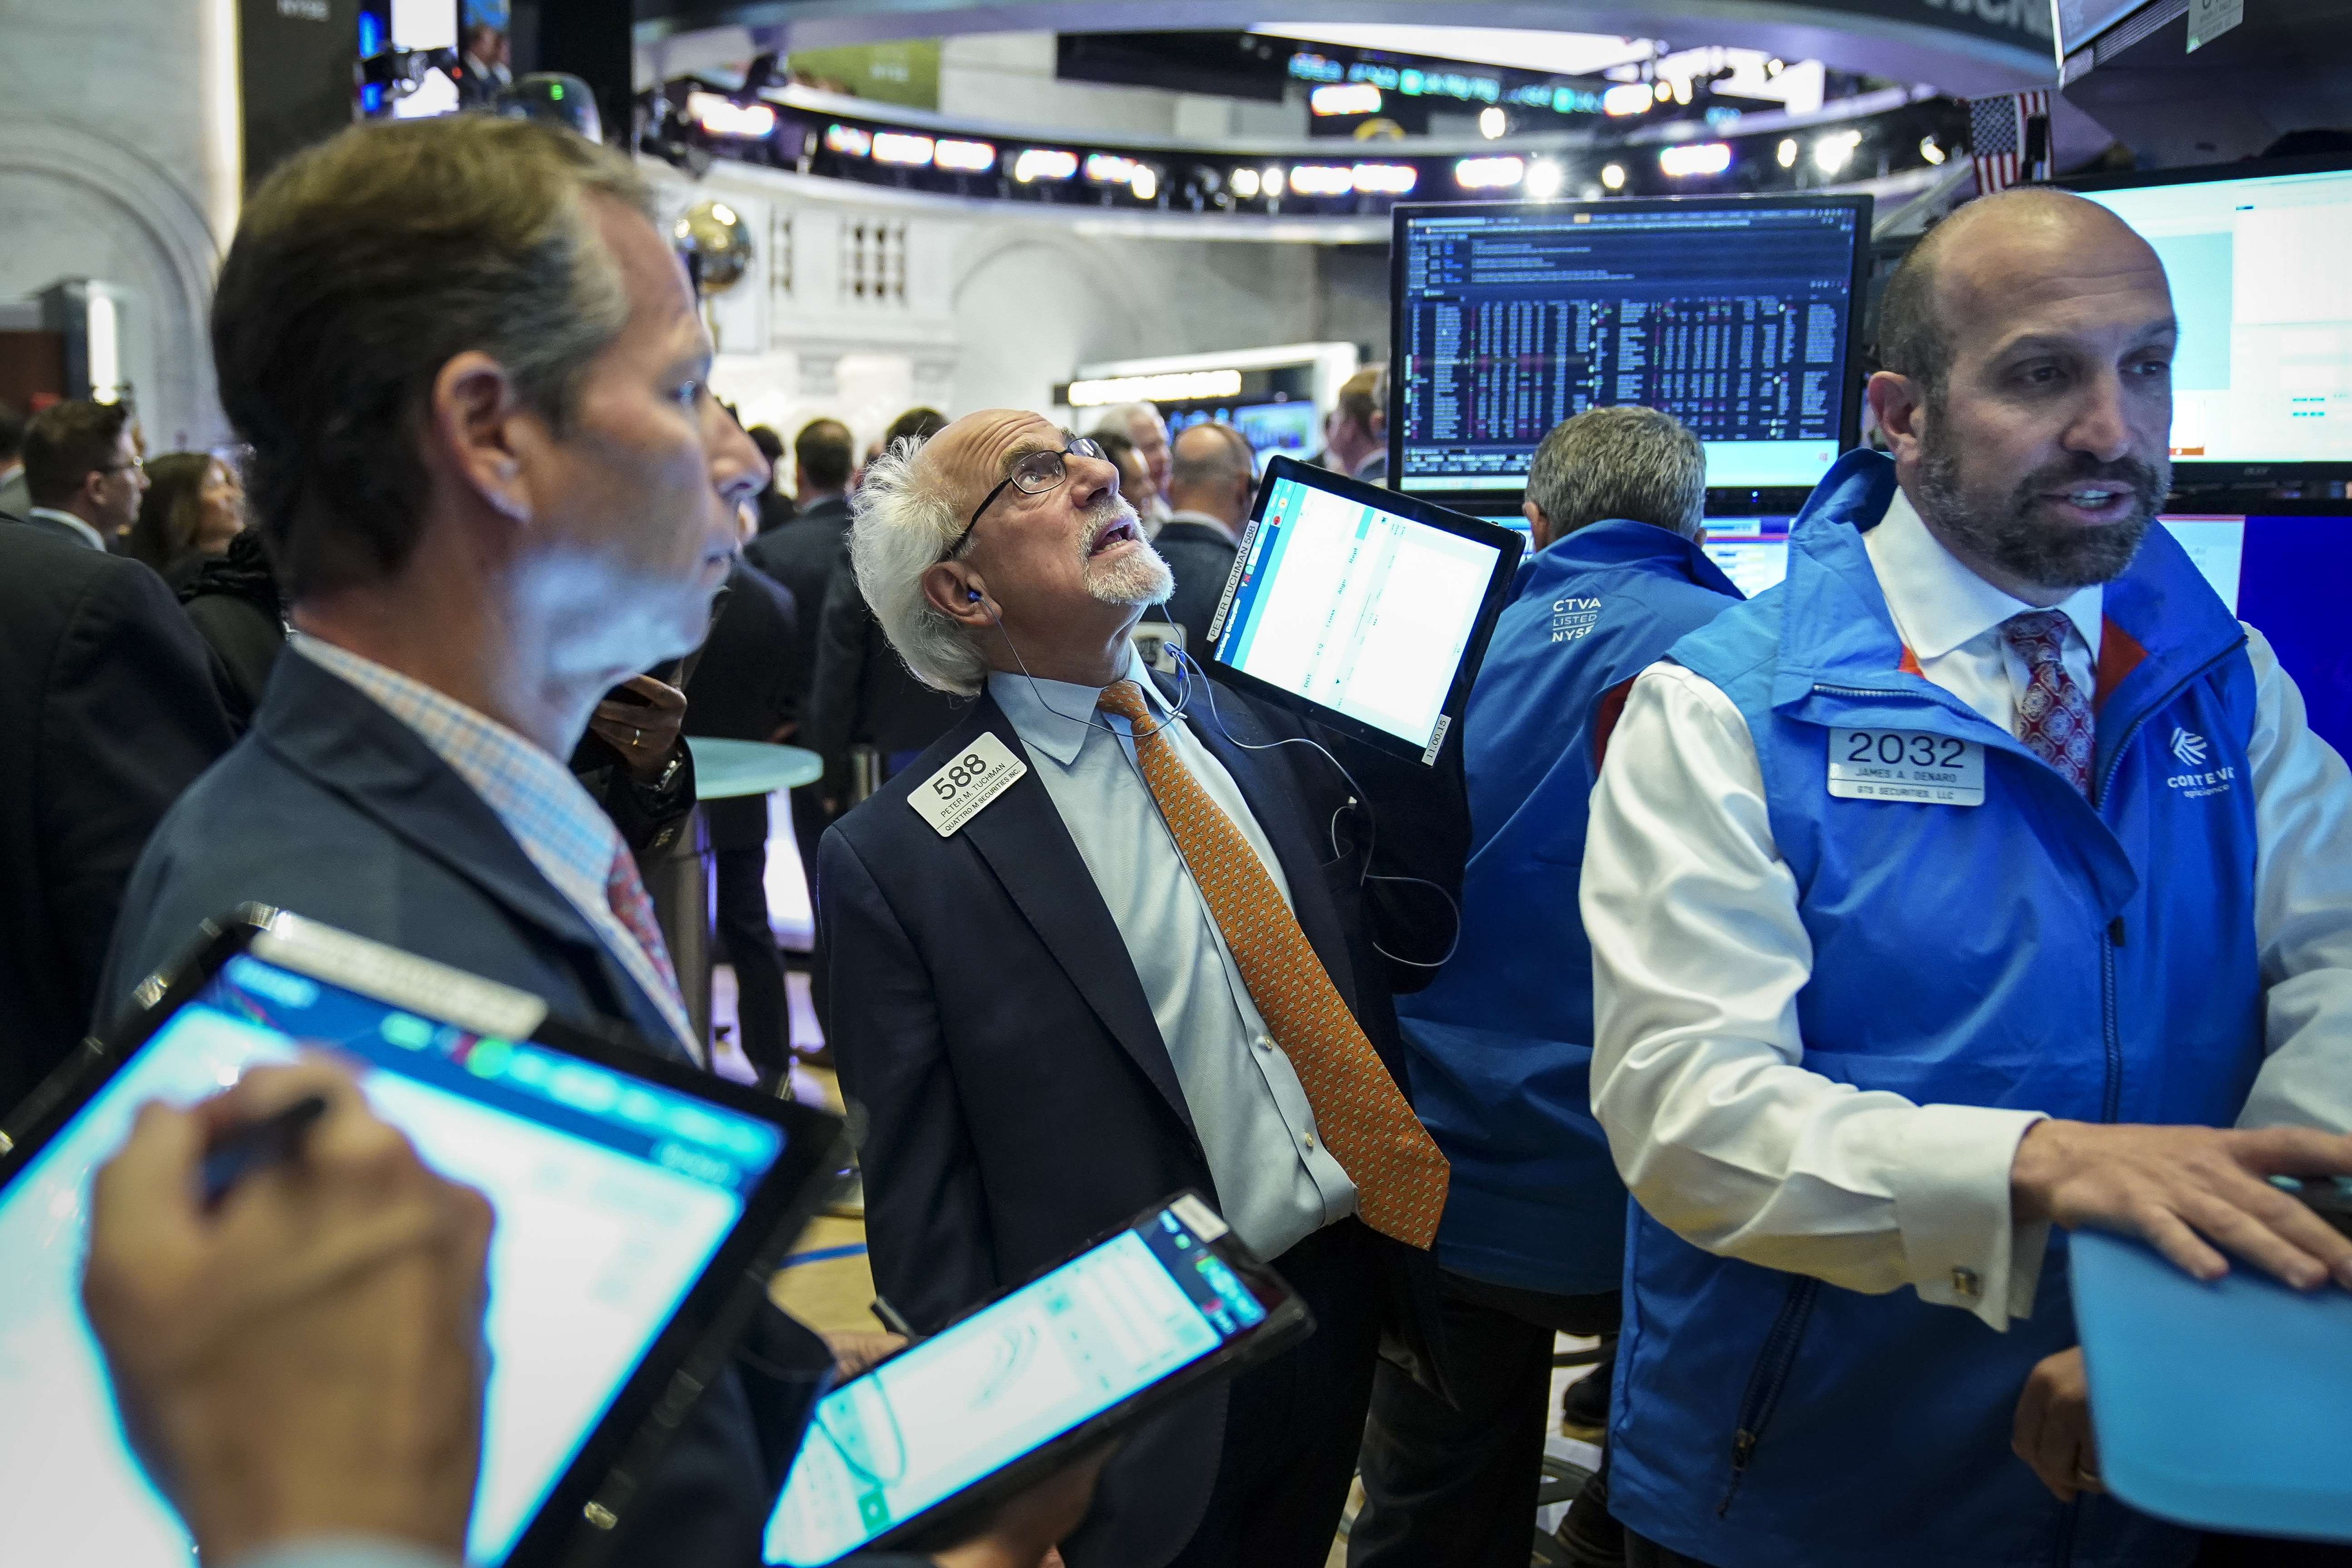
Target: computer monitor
{"x":1288,"y":429}
{"x":2289,"y":576}
{"x":2262,"y":385}
{"x":1739,"y":315}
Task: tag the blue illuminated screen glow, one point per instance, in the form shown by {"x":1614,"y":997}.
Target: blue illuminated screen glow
{"x":967,"y":1402}
{"x":1361,"y":611}
{"x":611,"y":1195}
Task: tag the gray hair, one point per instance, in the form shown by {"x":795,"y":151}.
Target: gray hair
{"x":1121,"y":418}
{"x":1620,"y":462}
{"x":903,"y":522}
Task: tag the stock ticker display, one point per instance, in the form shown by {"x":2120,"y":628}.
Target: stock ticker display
{"x":1735,"y":317}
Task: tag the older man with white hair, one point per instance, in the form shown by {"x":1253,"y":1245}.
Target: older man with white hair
{"x":1147,"y":429}
{"x":1102,"y":944}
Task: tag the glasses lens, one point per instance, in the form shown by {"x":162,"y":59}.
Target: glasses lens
{"x":1088,"y":446}
{"x":1038,"y":472}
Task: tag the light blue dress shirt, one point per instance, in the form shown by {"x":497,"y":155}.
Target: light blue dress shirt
{"x":1277,"y":1183}
{"x":346,"y":1551}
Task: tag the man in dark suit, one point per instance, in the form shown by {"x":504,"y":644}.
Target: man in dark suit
{"x":743,"y":688}
{"x":1145,"y":965}
{"x":107,"y":686}
{"x":16,"y":500}
{"x":1211,"y":481}
{"x":83,"y":473}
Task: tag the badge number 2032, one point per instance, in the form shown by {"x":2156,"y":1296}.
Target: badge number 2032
{"x":1906,"y":765}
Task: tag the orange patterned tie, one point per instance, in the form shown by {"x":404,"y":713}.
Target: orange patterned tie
{"x":1400,"y":1175}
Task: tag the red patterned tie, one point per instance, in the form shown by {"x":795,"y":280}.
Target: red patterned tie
{"x":1401,"y":1177}
{"x":2053,"y":716}
{"x":625,"y":891}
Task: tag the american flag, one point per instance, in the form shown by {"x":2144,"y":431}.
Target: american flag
{"x":2002,"y":136}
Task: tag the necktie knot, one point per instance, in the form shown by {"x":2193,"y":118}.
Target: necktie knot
{"x":2038,"y":635}
{"x":1125,"y":699}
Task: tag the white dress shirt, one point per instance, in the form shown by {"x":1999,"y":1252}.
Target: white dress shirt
{"x":1277,"y":1183}
{"x":52,"y":514}
{"x":1698,"y":955}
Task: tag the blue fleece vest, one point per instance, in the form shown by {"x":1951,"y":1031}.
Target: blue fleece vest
{"x":1501,"y":1043}
{"x":2093,"y":960}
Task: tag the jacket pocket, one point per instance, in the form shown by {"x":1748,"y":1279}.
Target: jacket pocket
{"x":1770,"y":1375}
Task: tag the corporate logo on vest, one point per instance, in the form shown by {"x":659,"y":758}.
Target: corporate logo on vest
{"x":2191,"y":748}
{"x":1572,"y":618}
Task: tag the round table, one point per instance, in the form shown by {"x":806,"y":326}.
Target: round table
{"x":729,"y":770}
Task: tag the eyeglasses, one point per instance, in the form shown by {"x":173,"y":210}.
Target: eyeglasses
{"x":1033,"y":475}
{"x":138,"y":465}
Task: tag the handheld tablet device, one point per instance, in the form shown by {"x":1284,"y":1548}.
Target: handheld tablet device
{"x":640,"y":1207}
{"x":1368,"y":610}
{"x":992,"y":1402}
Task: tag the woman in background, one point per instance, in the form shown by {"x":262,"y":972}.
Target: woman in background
{"x":194,"y":505}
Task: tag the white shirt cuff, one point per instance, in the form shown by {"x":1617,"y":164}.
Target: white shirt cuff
{"x":1949,"y":1181}
{"x":345,"y":1551}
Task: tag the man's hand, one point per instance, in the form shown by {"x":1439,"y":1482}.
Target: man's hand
{"x":2188,"y":1191}
{"x":2052,"y":1433}
{"x":859,"y":1351}
{"x":307,"y":1359}
{"x":645,"y":733}
{"x":1026,"y":1531}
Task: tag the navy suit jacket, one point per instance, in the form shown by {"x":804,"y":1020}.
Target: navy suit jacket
{"x":1021,"y":1100}
{"x":331,"y":807}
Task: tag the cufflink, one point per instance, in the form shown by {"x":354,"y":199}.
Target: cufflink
{"x":1965,"y":1281}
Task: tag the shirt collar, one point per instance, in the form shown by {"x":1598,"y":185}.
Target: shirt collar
{"x":1939,"y":604}
{"x":71,"y":521}
{"x":1054,"y":716}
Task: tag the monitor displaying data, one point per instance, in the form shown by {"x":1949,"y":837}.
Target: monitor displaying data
{"x":1365,"y":612}
{"x":1735,"y":315}
{"x":2264,"y":372}
{"x":2288,"y":576}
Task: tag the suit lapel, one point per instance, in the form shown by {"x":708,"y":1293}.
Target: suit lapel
{"x":344,"y":739}
{"x":1273,"y":795}
{"x":1021,"y":837}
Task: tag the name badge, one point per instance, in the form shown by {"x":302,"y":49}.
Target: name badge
{"x":955,"y":794}
{"x":1905,"y":764}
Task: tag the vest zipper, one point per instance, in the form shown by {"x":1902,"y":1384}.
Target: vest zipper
{"x":1773,"y":1365}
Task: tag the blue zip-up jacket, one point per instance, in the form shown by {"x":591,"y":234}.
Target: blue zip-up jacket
{"x":1502,"y":1042}
{"x":2094,"y":960}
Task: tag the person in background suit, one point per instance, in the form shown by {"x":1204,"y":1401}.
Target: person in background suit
{"x":801,"y":555}
{"x":83,"y":473}
{"x":15,"y":501}
{"x":1146,"y":429}
{"x":110,"y":695}
{"x":483,"y":73}
{"x":1210,"y":487}
{"x":1355,"y":433}
{"x":1147,"y":965}
{"x":491,"y":496}
{"x":776,"y":508}
{"x":241,"y":1346}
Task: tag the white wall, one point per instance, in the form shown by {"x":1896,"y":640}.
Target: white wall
{"x":118,"y":162}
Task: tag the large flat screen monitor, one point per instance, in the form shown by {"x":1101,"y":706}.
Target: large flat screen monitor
{"x":2263,"y":381}
{"x":1739,"y":315}
{"x":2290,"y":577}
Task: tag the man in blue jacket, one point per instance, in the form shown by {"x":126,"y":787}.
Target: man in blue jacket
{"x":1979,"y":877}
{"x":1532,"y":1242}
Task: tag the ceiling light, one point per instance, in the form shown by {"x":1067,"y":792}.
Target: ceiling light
{"x":1786,"y":153}
{"x":1681,"y":87}
{"x":1663,"y":90}
{"x":1626,"y":97}
{"x":1322,"y":179}
{"x":1271,"y":180}
{"x":1345,"y":98}
{"x":902,"y":147}
{"x":1544,"y":181}
{"x":1044,"y":163}
{"x":849,"y":140}
{"x":1492,"y":123}
{"x":1833,"y":152}
{"x":1695,"y":158}
{"x":965,"y":157}
{"x":1244,"y":183}
{"x":722,"y":116}
{"x":1930,"y":151}
{"x":1613,"y":177}
{"x":1110,"y":168}
{"x":1175,"y":387}
{"x":1384,"y":179}
{"x":1145,"y":183}
{"x":1489,"y":173}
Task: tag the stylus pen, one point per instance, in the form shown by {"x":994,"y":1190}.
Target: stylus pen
{"x":273,"y":1140}
{"x":893,"y":1322}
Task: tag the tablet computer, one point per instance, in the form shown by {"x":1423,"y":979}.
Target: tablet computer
{"x":641,"y":1207}
{"x":994,"y":1401}
{"x":1366,"y":610}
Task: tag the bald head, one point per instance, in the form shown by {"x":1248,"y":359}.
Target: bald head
{"x":1211,"y":472}
{"x":1994,"y":248}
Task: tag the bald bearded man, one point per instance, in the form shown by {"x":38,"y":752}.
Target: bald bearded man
{"x":1147,"y":964}
{"x":1973,"y":880}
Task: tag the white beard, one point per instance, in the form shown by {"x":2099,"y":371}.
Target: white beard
{"x":1138,"y":577}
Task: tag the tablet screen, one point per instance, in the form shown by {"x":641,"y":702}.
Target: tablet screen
{"x":1364,"y":611}
{"x":612,"y":1194}
{"x":966,"y":1403}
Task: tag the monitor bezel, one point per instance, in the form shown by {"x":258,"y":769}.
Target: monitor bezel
{"x":590,"y":1496}
{"x":1849,"y":434}
{"x":1510,"y":547}
{"x":2198,"y":471}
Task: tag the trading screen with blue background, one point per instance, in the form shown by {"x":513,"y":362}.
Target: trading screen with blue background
{"x":1734,"y":320}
